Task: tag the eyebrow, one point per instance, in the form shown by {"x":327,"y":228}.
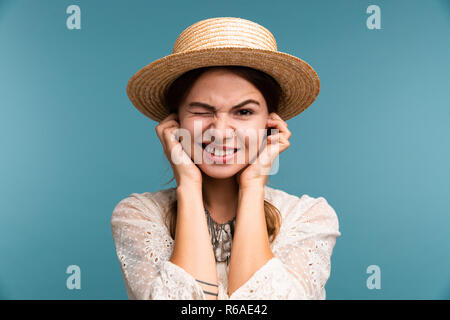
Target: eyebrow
{"x":207,"y":106}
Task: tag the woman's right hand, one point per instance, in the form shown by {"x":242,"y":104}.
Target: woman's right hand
{"x":184,"y":169}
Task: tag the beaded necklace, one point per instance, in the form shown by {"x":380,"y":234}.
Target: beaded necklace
{"x":221,"y":237}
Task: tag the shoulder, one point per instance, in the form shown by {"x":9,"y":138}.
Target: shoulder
{"x":145,"y":203}
{"x":285,"y":202}
{"x":302,"y":208}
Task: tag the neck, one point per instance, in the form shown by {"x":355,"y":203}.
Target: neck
{"x":220,"y":197}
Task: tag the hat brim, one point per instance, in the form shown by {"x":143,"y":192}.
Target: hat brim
{"x":299,"y":82}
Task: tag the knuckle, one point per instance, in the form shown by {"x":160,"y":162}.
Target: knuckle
{"x":166,"y":133}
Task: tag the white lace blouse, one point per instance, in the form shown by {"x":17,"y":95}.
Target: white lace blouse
{"x":299,"y":270}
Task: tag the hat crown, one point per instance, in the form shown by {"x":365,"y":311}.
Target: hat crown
{"x":224,"y":32}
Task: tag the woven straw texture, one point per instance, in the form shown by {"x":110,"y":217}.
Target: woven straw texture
{"x":220,"y":42}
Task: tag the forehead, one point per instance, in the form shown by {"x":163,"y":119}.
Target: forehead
{"x":221,"y":85}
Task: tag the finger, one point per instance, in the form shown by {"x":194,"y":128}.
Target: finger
{"x":172,"y":145}
{"x":271,"y":141}
{"x":171,"y":118}
{"x":274,"y":138}
{"x":268,"y":155}
{"x":164,"y":138}
{"x":178,"y":155}
{"x":275,"y":116}
{"x":280,"y":125}
{"x":278,"y":138}
{"x":162,"y":127}
{"x":169,"y":123}
{"x":278,"y":142}
{"x":169,"y":137}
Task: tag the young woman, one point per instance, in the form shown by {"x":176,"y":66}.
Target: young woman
{"x":222,"y":233}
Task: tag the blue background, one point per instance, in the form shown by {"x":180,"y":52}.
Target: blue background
{"x":375,"y":143}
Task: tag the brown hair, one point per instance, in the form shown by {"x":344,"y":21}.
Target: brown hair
{"x":271,"y":91}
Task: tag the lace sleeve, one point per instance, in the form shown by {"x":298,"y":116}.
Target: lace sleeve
{"x":302,"y":250}
{"x":144,"y":246}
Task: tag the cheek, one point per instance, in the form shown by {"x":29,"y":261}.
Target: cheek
{"x":254,"y":141}
{"x":187,"y":133}
{"x":194,"y":127}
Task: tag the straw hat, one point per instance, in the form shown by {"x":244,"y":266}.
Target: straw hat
{"x":225,"y":41}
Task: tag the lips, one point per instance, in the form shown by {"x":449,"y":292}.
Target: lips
{"x":212,"y":145}
{"x":219,"y":153}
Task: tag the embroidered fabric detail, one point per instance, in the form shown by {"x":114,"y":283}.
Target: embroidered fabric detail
{"x":299,"y":270}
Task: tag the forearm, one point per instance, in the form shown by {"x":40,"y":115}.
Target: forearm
{"x":250,"y":249}
{"x":193,"y":249}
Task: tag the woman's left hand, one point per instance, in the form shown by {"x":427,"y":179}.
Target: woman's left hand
{"x":256,"y":173}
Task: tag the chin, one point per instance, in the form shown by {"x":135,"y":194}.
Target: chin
{"x":220,"y":171}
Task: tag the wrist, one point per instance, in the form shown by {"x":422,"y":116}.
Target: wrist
{"x":251,"y":187}
{"x":189,"y":186}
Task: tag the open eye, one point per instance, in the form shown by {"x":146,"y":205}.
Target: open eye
{"x":245,"y":112}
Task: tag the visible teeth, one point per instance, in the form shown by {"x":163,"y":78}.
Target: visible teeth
{"x":209,"y":148}
{"x":218,"y":152}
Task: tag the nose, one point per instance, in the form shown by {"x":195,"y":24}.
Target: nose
{"x":221,"y":130}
